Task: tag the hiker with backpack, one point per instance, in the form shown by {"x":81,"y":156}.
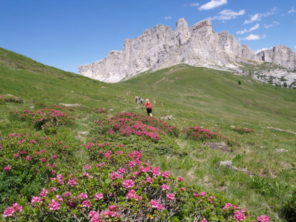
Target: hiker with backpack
{"x":148,"y":106}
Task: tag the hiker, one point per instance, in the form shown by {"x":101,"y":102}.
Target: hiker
{"x":142,"y":101}
{"x":137,"y":99}
{"x":148,"y":106}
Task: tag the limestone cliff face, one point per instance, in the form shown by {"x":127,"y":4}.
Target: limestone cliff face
{"x":162,"y":47}
{"x":279,"y":55}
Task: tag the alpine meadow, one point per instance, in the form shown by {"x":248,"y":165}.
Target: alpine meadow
{"x":76,"y":149}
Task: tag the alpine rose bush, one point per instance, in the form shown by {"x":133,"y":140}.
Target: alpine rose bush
{"x":27,"y":162}
{"x":135,"y":124}
{"x":44,"y":118}
{"x":198,"y":133}
{"x":117,"y":185}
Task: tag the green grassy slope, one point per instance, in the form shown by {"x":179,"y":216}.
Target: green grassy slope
{"x":194,"y":96}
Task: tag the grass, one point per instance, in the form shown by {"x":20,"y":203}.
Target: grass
{"x":194,"y":96}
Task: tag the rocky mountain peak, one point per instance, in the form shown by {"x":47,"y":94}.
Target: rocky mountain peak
{"x":182,"y":31}
{"x":205,"y":25}
{"x":198,"y":45}
{"x":279,"y":55}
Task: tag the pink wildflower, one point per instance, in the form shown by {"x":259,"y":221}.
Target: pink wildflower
{"x":128,"y":184}
{"x":43,"y":160}
{"x":112,"y":207}
{"x":204,"y":220}
{"x":86,"y":203}
{"x":8,"y":212}
{"x":87,"y":167}
{"x":43,"y":192}
{"x":99,"y":196}
{"x":17,"y":207}
{"x":83,"y":196}
{"x":156,"y":205}
{"x":149,"y":180}
{"x":53,"y":189}
{"x":227,"y":206}
{"x":132,"y":163}
{"x":33,"y":141}
{"x":99,"y":165}
{"x":156,"y":171}
{"x":67,"y":194}
{"x":28,"y":157}
{"x":59,"y":198}
{"x":36,"y":200}
{"x":72,"y":182}
{"x":92,"y":214}
{"x":54,"y":156}
{"x":108,"y":154}
{"x":239,"y":216}
{"x":16,"y":155}
{"x":166,"y":174}
{"x":170,"y":196}
{"x":263,"y":218}
{"x":201,"y":194}
{"x":165,"y":187}
{"x":116,"y":175}
{"x":54,"y":205}
{"x":121,"y":170}
{"x":135,"y":155}
{"x":132,"y":195}
{"x":7,"y":168}
{"x":180,"y":179}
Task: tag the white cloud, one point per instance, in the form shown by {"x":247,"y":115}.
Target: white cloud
{"x":253,"y":28}
{"x":167,"y":17}
{"x":228,"y":14}
{"x":258,"y":16}
{"x":274,"y":23}
{"x":253,"y":37}
{"x":212,"y":4}
{"x":292,"y":10}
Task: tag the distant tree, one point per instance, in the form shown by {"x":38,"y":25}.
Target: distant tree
{"x":285,"y":85}
{"x":239,"y":82}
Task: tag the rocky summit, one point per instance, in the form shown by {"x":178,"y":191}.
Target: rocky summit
{"x":199,"y":46}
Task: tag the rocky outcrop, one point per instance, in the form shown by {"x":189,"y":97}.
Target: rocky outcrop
{"x":279,"y":55}
{"x":199,"y":45}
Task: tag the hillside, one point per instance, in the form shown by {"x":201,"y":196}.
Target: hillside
{"x":195,"y":97}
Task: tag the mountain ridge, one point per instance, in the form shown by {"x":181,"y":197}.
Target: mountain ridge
{"x":198,"y":45}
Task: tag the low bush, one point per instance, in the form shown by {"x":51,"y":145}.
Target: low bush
{"x":44,"y":119}
{"x":101,"y":110}
{"x":127,"y":124}
{"x":151,"y":121}
{"x":118,"y":186}
{"x":243,"y":130}
{"x":10,"y":99}
{"x":199,"y":133}
{"x":27,"y":162}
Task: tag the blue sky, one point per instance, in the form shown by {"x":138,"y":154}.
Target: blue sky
{"x":68,"y":33}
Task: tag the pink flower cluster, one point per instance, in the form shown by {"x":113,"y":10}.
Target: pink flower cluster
{"x":263,"y":218}
{"x":54,"y":205}
{"x":131,"y":194}
{"x":155,"y":204}
{"x":136,"y":124}
{"x":9,"y":211}
{"x":128,"y":184}
{"x":199,"y":133}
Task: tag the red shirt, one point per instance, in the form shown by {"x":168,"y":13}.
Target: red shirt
{"x":148,"y":105}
